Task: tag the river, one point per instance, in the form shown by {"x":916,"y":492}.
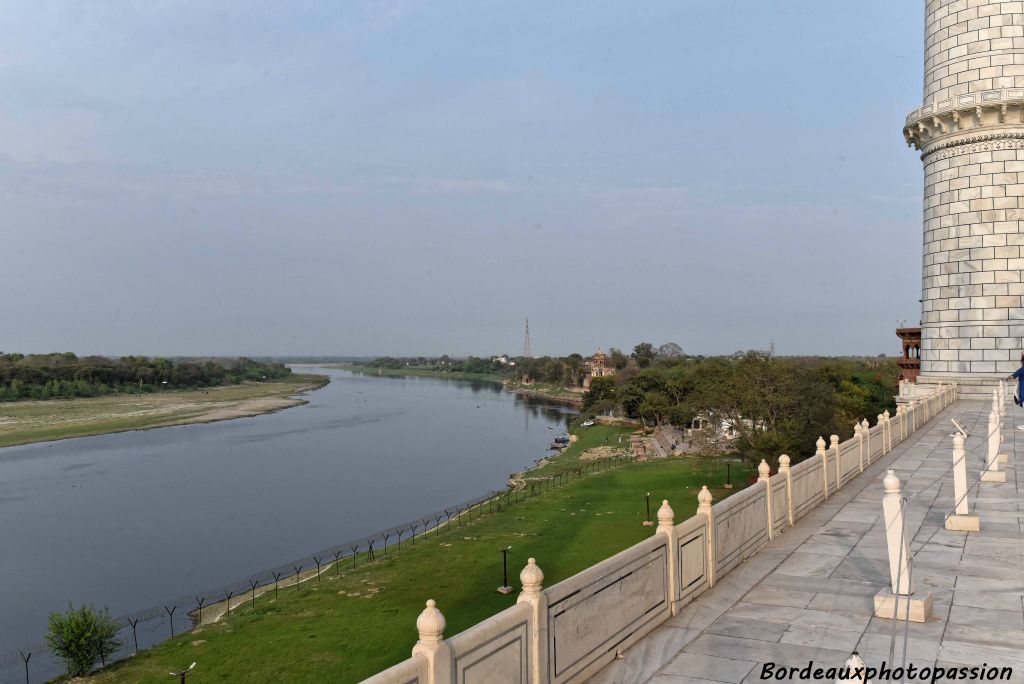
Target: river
{"x":132,"y":519}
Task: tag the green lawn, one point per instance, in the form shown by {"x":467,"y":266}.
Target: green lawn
{"x":356,"y":623}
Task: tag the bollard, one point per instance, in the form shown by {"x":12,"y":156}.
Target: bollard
{"x":992,"y":472}
{"x":961,"y":520}
{"x":856,"y":670}
{"x":431,"y":646}
{"x":787,"y":473}
{"x":898,"y":601}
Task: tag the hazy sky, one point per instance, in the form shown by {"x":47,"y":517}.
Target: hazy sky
{"x":418,"y":177}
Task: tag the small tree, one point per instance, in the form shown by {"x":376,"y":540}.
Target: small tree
{"x":81,"y":637}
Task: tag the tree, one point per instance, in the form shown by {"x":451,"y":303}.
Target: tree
{"x":617,"y":358}
{"x":670,"y":350}
{"x":643,"y":354}
{"x":601,"y":390}
{"x":82,"y":637}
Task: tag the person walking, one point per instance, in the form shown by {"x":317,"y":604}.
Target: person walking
{"x":1018,"y":375}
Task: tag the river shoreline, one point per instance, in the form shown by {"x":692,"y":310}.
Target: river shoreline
{"x":217,"y":410}
{"x":546,"y":393}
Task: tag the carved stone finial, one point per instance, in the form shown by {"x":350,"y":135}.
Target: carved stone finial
{"x":763,"y":470}
{"x":704,"y":498}
{"x":783,"y":463}
{"x":891,"y":482}
{"x":430,"y":624}
{"x":666,"y":516}
{"x":531,"y":577}
{"x":820,"y":444}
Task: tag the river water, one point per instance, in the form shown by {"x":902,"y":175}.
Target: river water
{"x":132,"y":519}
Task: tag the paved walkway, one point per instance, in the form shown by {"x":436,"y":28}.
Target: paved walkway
{"x":808,"y":595}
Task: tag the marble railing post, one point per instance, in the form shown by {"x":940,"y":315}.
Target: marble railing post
{"x":897,"y":600}
{"x":834,"y":446}
{"x":880,"y":422}
{"x":785,"y":470}
{"x":819,"y":451}
{"x":763,"y":473}
{"x":431,"y":645}
{"x":532,"y":580}
{"x":961,"y":520}
{"x":667,"y":528}
{"x":888,"y":430}
{"x":992,"y":472}
{"x":704,"y":499}
{"x":913,"y":416}
{"x":859,"y":436}
{"x":865,"y":429}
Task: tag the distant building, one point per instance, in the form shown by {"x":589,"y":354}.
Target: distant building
{"x":910,"y":361}
{"x":596,"y":367}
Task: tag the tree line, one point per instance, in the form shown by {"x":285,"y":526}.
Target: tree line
{"x":775,"y":404}
{"x":65,"y":375}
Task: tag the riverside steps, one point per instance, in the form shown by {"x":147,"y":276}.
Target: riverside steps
{"x":808,"y":595}
{"x":791,"y":569}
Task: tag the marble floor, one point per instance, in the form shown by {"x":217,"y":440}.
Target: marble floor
{"x":808,"y":595}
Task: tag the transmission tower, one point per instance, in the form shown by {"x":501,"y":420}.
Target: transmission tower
{"x":527,"y":352}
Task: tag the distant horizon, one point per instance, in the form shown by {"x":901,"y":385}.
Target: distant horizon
{"x":363,"y":175}
{"x":342,"y":357}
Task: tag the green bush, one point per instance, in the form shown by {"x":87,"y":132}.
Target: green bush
{"x":81,"y":637}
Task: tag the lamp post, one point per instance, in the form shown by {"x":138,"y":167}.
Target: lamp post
{"x":728,"y":476}
{"x":505,"y":588}
{"x":184,"y":673}
{"x":648,"y":522}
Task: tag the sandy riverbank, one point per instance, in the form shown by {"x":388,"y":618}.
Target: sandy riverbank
{"x":25,"y":422}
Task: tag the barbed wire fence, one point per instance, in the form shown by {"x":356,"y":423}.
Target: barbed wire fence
{"x":148,"y":627}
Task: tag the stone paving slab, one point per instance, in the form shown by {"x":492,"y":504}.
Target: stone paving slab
{"x":808,"y":594}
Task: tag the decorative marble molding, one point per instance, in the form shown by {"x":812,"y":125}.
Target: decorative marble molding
{"x":956,"y":115}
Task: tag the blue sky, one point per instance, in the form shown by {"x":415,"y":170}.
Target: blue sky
{"x":418,"y":177}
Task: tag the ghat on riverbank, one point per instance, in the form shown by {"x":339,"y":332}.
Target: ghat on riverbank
{"x":24,"y":422}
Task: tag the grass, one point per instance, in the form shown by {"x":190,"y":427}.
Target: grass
{"x":356,"y":622}
{"x":588,"y":438}
{"x":23,"y":422}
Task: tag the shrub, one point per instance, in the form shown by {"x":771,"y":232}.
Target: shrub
{"x":81,"y":637}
